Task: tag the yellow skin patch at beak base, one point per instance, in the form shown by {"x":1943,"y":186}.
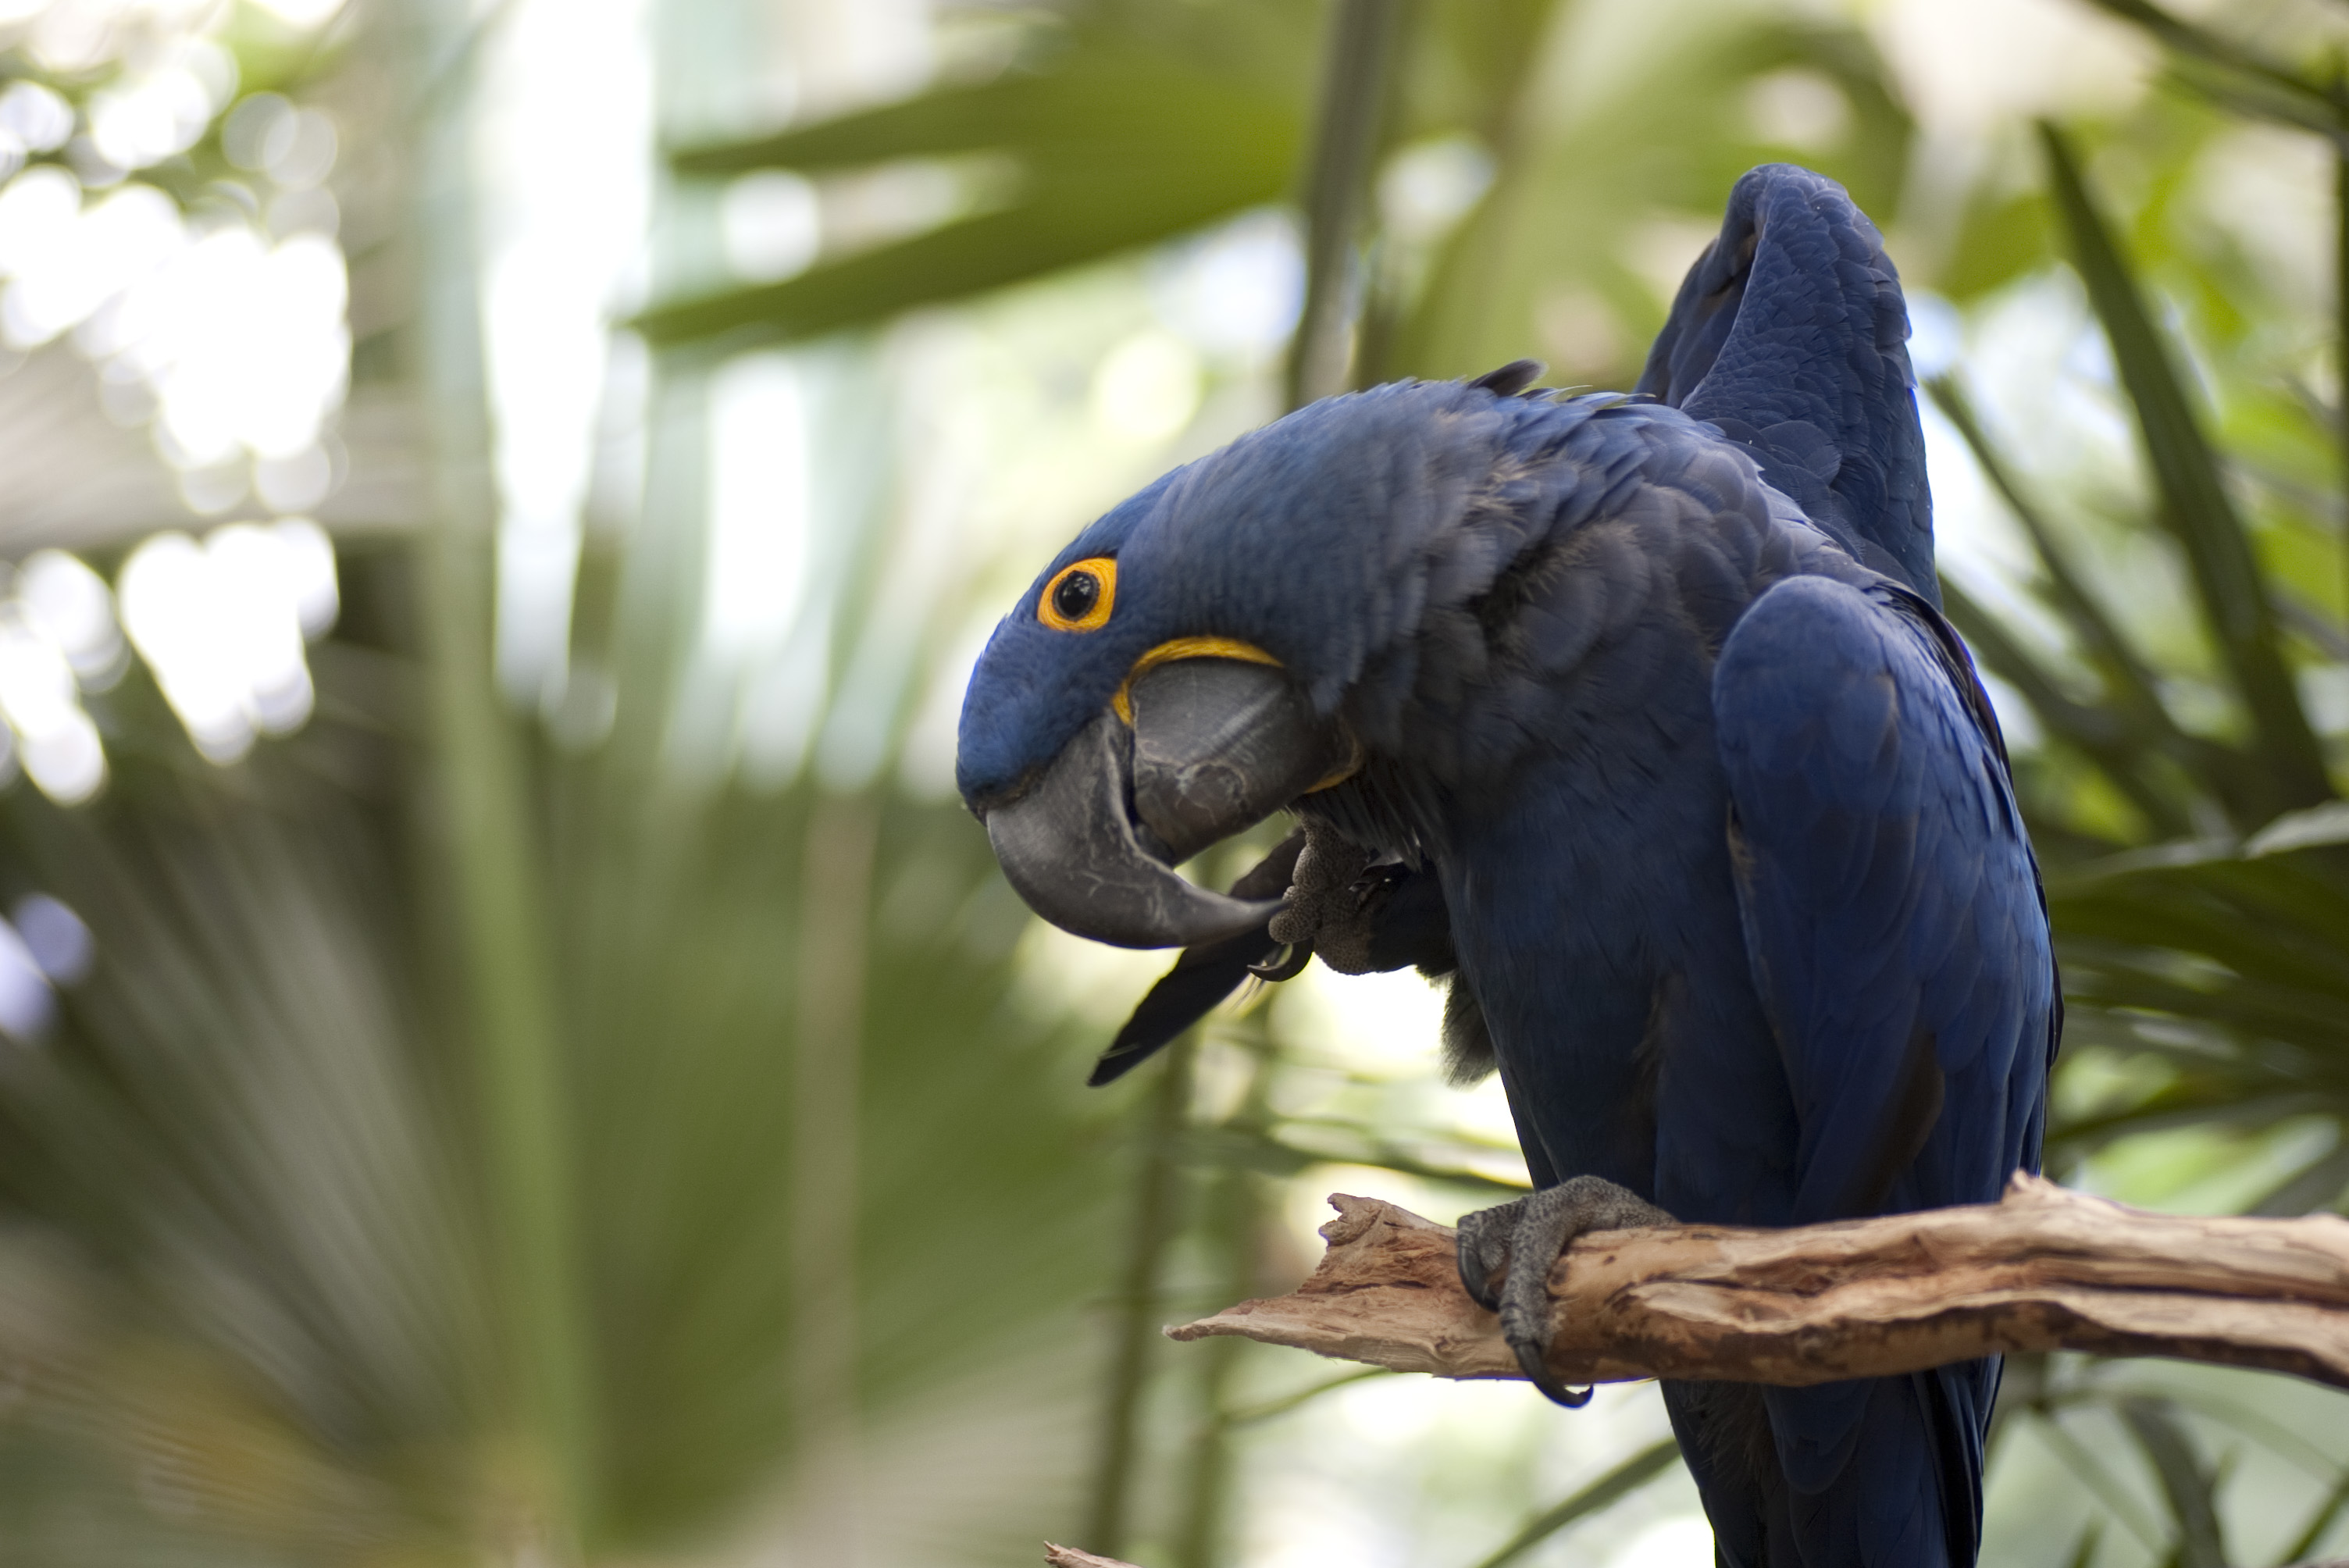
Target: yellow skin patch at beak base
{"x":1184,"y":648}
{"x":1216,"y":648}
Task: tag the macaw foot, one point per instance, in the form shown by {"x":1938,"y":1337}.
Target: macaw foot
{"x":1358,"y":913}
{"x":1326,"y":908}
{"x":1526,"y":1237}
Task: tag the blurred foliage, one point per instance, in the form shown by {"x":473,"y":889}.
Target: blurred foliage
{"x":1124,"y":127}
{"x":476,"y":1137}
{"x":2197,"y":883}
{"x":286,"y":1203}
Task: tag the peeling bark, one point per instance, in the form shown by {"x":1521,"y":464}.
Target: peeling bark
{"x":1069,"y":1557}
{"x":2044,"y":1269}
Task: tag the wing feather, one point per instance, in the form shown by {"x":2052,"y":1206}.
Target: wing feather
{"x":1887,"y":887}
{"x":1899,"y":942}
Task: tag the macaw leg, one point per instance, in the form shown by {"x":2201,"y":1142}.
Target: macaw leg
{"x":1526,"y":1237}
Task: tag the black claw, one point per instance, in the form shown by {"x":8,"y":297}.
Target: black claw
{"x":1286,"y":962}
{"x":1475,"y":1274}
{"x":1536,"y":1367}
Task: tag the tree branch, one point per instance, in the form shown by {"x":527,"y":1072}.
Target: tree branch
{"x":1069,"y":1557}
{"x":2044,"y":1269}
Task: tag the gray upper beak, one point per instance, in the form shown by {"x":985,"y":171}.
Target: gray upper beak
{"x":1216,"y":746}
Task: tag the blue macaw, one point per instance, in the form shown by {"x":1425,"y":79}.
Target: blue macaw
{"x":1635,"y":716}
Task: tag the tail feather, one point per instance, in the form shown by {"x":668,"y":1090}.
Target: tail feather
{"x":1881,"y":1473}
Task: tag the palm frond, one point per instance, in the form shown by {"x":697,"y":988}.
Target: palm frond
{"x":2196,"y":508}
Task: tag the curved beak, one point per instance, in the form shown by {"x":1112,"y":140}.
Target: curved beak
{"x":1216,"y":746}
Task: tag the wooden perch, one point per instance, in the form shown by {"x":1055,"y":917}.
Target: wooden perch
{"x":2044,"y":1269}
{"x":1069,"y":1557}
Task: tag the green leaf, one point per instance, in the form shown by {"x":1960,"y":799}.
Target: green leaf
{"x":2266,"y":919}
{"x":2195,"y":505}
{"x":2320,"y":1522}
{"x":1655,"y":127}
{"x":1114,"y":151}
{"x":2234,"y":74}
{"x":1998,"y":240}
{"x":2085,"y":1465}
{"x":2128,"y":684}
{"x":2189,"y":1488}
{"x":2317,"y":1186}
{"x":239,"y":1124}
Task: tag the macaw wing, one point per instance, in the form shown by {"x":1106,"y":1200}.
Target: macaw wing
{"x":1891,"y":905}
{"x":1899,"y":943}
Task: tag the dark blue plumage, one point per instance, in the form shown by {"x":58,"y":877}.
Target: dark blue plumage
{"x":1720,"y":817}
{"x":1790,"y":334}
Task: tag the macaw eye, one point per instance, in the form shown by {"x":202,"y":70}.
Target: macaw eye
{"x":1078,"y":598}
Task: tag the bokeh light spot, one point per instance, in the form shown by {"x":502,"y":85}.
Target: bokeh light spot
{"x":27,"y":1007}
{"x":1147,"y":386}
{"x":69,"y":604}
{"x":36,"y":117}
{"x":222,"y":625}
{"x":770,"y":224}
{"x":56,"y":741}
{"x":59,"y":943}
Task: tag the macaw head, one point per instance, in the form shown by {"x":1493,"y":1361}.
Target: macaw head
{"x":1195,"y":659}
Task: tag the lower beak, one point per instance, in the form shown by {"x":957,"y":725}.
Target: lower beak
{"x":1216,"y":746}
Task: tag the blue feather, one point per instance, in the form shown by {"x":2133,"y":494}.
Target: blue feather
{"x":1790,"y":336}
{"x":1657,"y":693}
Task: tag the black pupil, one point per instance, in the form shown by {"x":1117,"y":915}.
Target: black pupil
{"x":1076,"y":595}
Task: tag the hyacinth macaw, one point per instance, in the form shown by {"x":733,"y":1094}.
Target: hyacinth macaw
{"x":1634,"y":717}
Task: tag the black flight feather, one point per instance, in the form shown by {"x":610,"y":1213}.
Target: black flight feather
{"x":1203,"y":975}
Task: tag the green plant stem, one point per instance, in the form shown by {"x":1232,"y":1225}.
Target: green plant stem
{"x":2341,"y":326}
{"x":1234,"y":1210}
{"x":1251,"y":1414}
{"x":489,"y":860}
{"x":2110,"y":1493}
{"x":1235,"y":1214}
{"x":2320,"y":1522}
{"x":1604,"y":1492}
{"x":835,"y":893}
{"x":1358,"y":66}
{"x":2188,"y":1487}
{"x":1156,"y":1221}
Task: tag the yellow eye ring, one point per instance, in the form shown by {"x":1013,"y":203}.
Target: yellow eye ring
{"x":1080,"y":597}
